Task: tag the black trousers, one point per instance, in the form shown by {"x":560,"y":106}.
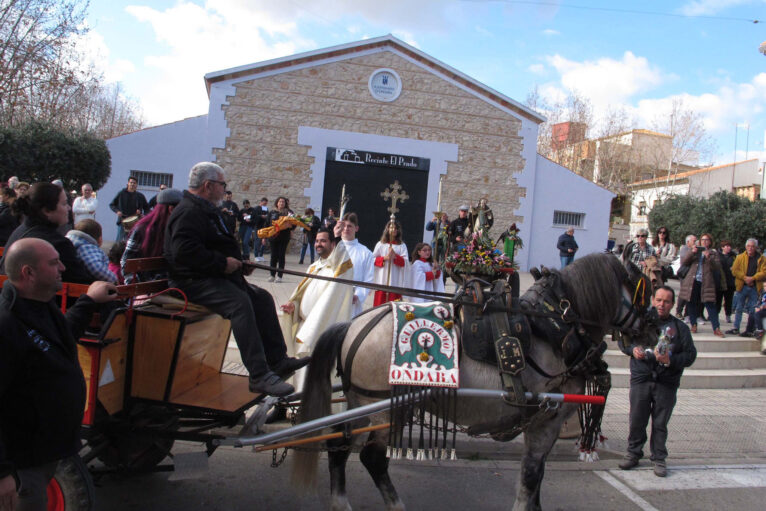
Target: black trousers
{"x":725,"y":298}
{"x":278,"y":251}
{"x":33,"y":494}
{"x":655,"y":400}
{"x":253,"y":318}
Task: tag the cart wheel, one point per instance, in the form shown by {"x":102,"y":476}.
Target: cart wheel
{"x":134,"y":443}
{"x":71,"y":488}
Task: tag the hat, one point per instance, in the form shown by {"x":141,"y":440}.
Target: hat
{"x":464,"y":208}
{"x":169,"y":196}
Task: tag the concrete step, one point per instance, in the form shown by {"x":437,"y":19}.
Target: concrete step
{"x":704,"y":378}
{"x":705,"y":360}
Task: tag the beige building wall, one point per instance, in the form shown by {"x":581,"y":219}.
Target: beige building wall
{"x":262,"y":156}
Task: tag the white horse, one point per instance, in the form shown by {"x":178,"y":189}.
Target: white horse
{"x":604,"y":295}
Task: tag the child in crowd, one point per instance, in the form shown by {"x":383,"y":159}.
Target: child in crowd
{"x":86,"y":238}
{"x":115,"y":255}
{"x":425,"y":274}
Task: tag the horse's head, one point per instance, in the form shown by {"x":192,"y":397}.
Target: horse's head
{"x":636,"y":318}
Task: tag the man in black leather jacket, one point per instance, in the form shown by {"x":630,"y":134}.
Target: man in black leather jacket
{"x":654,"y":379}
{"x":206,"y":263}
{"x":42,"y":391}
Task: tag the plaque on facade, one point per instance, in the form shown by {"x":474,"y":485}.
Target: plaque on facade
{"x":385,"y":85}
{"x":377,"y":159}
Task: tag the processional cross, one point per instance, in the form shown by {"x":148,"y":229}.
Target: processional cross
{"x":395,"y":194}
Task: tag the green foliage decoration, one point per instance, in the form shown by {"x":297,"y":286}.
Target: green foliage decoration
{"x":724,"y":215}
{"x":41,"y":152}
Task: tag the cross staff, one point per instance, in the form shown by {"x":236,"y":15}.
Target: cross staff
{"x":395,"y":194}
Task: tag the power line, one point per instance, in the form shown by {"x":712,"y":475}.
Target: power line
{"x":624,"y":11}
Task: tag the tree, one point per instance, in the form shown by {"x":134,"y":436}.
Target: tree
{"x":41,"y":152}
{"x":42,"y":76}
{"x":724,"y":215}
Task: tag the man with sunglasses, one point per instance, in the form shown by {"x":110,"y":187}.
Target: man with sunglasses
{"x":640,"y":250}
{"x":206,"y":263}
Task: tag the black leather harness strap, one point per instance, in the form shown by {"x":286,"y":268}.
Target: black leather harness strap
{"x":345,"y":375}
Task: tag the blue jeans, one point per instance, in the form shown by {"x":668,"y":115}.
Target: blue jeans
{"x":303,"y":251}
{"x":245,"y":232}
{"x":692,"y":307}
{"x":257,"y":246}
{"x":744,"y":300}
{"x":566,"y":260}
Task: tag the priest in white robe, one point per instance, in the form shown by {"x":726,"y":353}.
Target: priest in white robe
{"x":317,"y":304}
{"x":392,"y":265}
{"x":361,"y":256}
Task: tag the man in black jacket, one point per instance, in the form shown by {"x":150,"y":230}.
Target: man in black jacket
{"x":654,"y":380}
{"x":42,"y":391}
{"x":230,"y":212}
{"x":128,"y":202}
{"x":205,"y":262}
{"x":567,"y":247}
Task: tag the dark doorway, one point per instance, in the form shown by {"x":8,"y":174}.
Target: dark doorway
{"x":364,"y":184}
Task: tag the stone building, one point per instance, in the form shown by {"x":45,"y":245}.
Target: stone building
{"x":369,"y":114}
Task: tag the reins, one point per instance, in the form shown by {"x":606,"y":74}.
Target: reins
{"x":455,"y":299}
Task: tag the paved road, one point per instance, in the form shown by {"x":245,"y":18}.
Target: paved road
{"x":242,"y":480}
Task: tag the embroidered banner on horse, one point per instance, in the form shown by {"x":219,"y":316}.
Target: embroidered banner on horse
{"x":425,"y":350}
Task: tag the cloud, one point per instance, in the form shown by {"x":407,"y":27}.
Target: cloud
{"x":537,"y":69}
{"x":607,"y":81}
{"x":710,"y":7}
{"x":93,"y":52}
{"x":551,"y":32}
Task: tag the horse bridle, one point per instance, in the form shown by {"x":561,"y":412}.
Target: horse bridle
{"x":636,"y":309}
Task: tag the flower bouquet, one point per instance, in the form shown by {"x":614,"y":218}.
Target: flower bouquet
{"x":478,"y":257}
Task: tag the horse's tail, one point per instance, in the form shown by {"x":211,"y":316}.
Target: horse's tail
{"x":316,"y":398}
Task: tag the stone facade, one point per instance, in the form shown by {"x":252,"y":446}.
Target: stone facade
{"x":263,"y":158}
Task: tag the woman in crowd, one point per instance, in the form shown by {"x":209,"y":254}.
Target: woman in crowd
{"x":309,"y":235}
{"x":391,"y":263}
{"x":701,"y":282}
{"x":147,"y":238}
{"x":424,"y":273}
{"x":46,"y":208}
{"x":665,"y":251}
{"x":8,"y":221}
{"x":280,"y":241}
{"x":724,"y":297}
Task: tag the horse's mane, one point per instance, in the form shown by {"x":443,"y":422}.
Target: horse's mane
{"x":593,"y":284}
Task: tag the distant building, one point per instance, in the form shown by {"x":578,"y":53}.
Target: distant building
{"x":744,"y":178}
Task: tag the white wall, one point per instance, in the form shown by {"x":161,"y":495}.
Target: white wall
{"x":558,"y":188}
{"x":171,"y":148}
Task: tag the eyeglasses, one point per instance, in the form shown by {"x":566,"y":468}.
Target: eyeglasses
{"x":641,"y":236}
{"x":706,"y":239}
{"x":222,"y":183}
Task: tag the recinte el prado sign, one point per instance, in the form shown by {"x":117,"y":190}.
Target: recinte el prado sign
{"x":377,"y":159}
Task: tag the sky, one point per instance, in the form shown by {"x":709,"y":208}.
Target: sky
{"x":630,"y":55}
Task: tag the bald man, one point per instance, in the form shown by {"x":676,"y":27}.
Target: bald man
{"x":42,"y":391}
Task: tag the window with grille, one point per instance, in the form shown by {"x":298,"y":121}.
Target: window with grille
{"x":568,"y":219}
{"x":152,"y":179}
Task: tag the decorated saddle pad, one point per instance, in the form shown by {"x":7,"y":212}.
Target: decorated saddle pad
{"x":425,"y":349}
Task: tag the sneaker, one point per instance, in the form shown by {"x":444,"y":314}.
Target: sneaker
{"x":687,"y":320}
{"x":271,"y":279}
{"x":271,"y":384}
{"x":660,"y":469}
{"x":758,"y":334}
{"x":733,"y":331}
{"x":300,"y":262}
{"x":278,"y":280}
{"x":628,"y":463}
{"x":718,"y":332}
{"x":694,"y":329}
{"x":701,"y":321}
{"x":747,"y":334}
{"x":289,"y":365}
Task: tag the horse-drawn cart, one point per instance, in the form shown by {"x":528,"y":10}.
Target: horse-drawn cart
{"x":154,"y":375}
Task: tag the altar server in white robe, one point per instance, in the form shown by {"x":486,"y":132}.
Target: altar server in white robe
{"x":392,"y":265}
{"x":425,"y":275}
{"x":317,"y":304}
{"x":361,"y":256}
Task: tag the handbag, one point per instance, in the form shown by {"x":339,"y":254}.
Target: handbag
{"x":667,"y":273}
{"x":682,"y":271}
